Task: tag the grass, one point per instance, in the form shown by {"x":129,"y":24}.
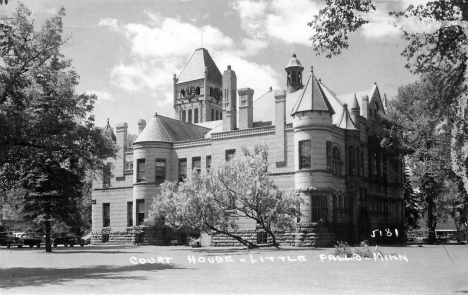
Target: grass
{"x":109,"y":270}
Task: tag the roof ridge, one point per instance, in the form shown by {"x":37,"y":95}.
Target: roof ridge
{"x":263,"y":95}
{"x":165,"y":129}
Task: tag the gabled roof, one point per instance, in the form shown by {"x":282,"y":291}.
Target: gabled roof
{"x":165,"y":129}
{"x":195,"y":68}
{"x":312,"y":98}
{"x":345,"y":121}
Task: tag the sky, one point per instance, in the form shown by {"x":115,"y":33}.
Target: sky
{"x":127,"y":51}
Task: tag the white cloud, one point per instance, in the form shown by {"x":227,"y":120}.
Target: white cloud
{"x":102,"y":95}
{"x":161,"y":48}
{"x":280,"y":19}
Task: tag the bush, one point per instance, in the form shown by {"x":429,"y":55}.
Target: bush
{"x":342,"y":249}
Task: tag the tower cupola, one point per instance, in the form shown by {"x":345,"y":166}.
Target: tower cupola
{"x":294,"y":74}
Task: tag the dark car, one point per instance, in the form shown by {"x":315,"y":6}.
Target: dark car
{"x":67,"y":239}
{"x":10,"y":240}
{"x":31,"y":240}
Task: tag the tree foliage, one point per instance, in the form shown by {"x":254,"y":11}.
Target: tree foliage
{"x":47,"y":134}
{"x":228,"y":192}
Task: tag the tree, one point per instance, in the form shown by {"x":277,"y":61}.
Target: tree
{"x":229,"y":191}
{"x":47,"y":134}
{"x":411,"y":204}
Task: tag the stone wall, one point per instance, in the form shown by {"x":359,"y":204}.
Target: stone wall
{"x":128,"y":237}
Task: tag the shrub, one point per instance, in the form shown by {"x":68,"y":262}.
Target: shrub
{"x":342,"y":249}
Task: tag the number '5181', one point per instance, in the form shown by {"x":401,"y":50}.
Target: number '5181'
{"x":388,"y":232}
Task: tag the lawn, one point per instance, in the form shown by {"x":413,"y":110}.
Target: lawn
{"x":181,"y":270}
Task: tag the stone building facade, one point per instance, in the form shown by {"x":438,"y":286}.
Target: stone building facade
{"x":321,"y":145}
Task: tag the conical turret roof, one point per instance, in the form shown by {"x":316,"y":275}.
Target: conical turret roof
{"x":312,"y":98}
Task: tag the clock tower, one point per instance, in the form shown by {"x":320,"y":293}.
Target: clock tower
{"x":197,"y":90}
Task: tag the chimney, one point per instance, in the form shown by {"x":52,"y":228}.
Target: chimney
{"x":280,"y":120}
{"x":121,"y":130}
{"x":229,"y":100}
{"x":141,"y":125}
{"x":365,"y":106}
{"x":245,"y":108}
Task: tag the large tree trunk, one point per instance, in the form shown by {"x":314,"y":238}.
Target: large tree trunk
{"x":431,"y":223}
{"x":48,"y":242}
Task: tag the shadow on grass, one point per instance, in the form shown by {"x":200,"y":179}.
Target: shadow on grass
{"x":23,"y":277}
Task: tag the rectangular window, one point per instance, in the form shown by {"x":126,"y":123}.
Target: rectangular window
{"x":141,"y":170}
{"x":304,"y":154}
{"x":208,"y":163}
{"x":129,"y":213}
{"x":140,"y":211}
{"x":182,"y":169}
{"x":105,"y":238}
{"x":106,"y":214}
{"x":196,"y":164}
{"x":262,"y":238}
{"x":160,"y":174}
{"x":329,"y":155}
{"x":230,"y":154}
{"x":319,"y":208}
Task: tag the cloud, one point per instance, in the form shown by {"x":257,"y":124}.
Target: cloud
{"x":279,"y":19}
{"x":101,"y":95}
{"x":162,"y":46}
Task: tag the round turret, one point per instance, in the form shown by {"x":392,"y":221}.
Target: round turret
{"x":294,"y":74}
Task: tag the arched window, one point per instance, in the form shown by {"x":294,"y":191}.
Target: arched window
{"x":336,"y":161}
{"x":358,"y":162}
{"x":346,"y":201}
{"x":182,"y":93}
{"x":293,"y":77}
{"x":197,"y":90}
{"x":351,"y":161}
{"x":211,"y":91}
{"x":217,"y":115}
{"x":195,"y":119}
{"x":299,"y":77}
{"x":340,"y":201}
{"x":184,"y":116}
{"x":190,"y":116}
{"x":212,"y":115}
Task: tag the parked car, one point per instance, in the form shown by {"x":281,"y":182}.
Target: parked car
{"x":67,"y":239}
{"x":31,"y":240}
{"x":9,"y":240}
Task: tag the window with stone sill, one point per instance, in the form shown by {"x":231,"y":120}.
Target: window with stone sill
{"x":182,"y":169}
{"x":230,"y":154}
{"x":160,"y":173}
{"x":196,"y":164}
{"x":141,"y":170}
{"x":106,"y":214}
{"x":305,"y":154}
{"x":336,"y":161}
{"x":208,"y":163}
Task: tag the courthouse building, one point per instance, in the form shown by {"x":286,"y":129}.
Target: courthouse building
{"x":321,"y":144}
